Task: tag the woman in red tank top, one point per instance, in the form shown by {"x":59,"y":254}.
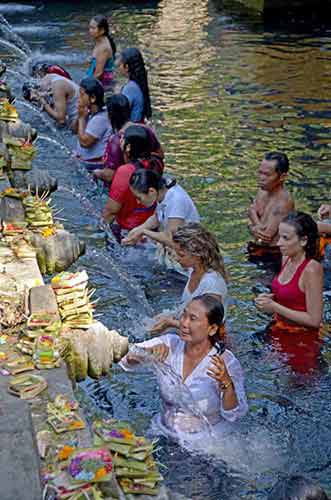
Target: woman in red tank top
{"x":296,"y":297}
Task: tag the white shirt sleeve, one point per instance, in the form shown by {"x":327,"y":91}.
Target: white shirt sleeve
{"x":169,"y":340}
{"x":236,"y":373}
{"x":177,"y":208}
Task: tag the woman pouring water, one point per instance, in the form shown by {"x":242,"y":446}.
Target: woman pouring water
{"x":211,"y":373}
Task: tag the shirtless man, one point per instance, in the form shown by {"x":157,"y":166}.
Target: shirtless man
{"x":65,"y":95}
{"x":272,"y":203}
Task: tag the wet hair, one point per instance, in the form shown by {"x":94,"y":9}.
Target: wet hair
{"x":137,"y":137}
{"x":102,"y":23}
{"x":296,"y":488}
{"x":39,"y":68}
{"x":93,"y":87}
{"x":143,"y":180}
{"x":118,"y":107}
{"x":305,"y":227}
{"x":199,"y":242}
{"x":137,"y":72}
{"x":215,"y":315}
{"x":282,"y":163}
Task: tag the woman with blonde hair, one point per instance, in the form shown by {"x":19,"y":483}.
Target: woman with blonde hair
{"x":198,"y":251}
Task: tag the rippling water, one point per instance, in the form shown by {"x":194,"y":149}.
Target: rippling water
{"x":224,"y":91}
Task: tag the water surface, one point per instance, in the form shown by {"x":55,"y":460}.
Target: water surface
{"x":224,"y":90}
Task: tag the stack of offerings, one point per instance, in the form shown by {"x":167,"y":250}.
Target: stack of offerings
{"x":46,"y":354}
{"x":8,"y":112}
{"x":21,"y":153}
{"x":40,"y":324}
{"x":135,"y":467}
{"x":72,"y":297}
{"x":38,"y":213}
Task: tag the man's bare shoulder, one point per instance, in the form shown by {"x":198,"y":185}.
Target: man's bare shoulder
{"x":286,"y":198}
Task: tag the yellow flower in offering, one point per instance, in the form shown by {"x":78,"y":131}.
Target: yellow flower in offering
{"x":100,"y":473}
{"x":127,"y":434}
{"x":47,"y":232}
{"x":65,"y":452}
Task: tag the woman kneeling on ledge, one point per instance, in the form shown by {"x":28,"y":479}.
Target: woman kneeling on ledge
{"x":198,"y":356}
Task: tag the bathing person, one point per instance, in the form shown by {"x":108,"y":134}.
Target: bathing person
{"x":272,"y":203}
{"x":296,"y":488}
{"x":64,"y":94}
{"x":92,"y":127}
{"x":197,"y":250}
{"x":174,"y":207}
{"x":297,"y":290}
{"x":296,"y":301}
{"x":132,"y":66}
{"x":324,"y":227}
{"x":118,"y":107}
{"x":103,"y":57}
{"x":122,"y":206}
{"x":199,"y":357}
{"x":39,"y":69}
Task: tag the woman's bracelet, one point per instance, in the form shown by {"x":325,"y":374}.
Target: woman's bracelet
{"x":224,"y":387}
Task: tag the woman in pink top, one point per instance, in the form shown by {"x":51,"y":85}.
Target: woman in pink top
{"x":297,"y":290}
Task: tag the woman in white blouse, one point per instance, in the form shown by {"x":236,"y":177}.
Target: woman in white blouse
{"x":198,"y":356}
{"x":174,"y":207}
{"x":197,"y":250}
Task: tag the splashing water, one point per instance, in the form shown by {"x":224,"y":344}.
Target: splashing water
{"x":14,"y":47}
{"x":7,"y":29}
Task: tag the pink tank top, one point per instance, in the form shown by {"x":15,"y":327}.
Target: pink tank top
{"x":289,"y":294}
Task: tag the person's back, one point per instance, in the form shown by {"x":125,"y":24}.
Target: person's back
{"x":65,"y":95}
{"x":71,"y":92}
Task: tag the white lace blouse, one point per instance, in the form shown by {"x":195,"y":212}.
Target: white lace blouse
{"x":205,"y":391}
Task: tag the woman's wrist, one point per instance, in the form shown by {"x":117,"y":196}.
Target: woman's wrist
{"x":226,"y":384}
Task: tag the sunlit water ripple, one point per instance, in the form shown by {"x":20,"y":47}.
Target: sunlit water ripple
{"x":224,"y":92}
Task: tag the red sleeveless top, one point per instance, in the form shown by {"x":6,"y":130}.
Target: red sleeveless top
{"x":289,"y":294}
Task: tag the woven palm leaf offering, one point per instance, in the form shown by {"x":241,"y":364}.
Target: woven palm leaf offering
{"x":8,"y":112}
{"x":27,"y":386}
{"x":38,"y":212}
{"x":73,"y":299}
{"x":21,"y":152}
{"x":135,"y":467}
{"x":46,"y":354}
{"x":63,"y":415}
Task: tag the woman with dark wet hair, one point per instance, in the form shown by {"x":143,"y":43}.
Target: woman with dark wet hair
{"x":297,"y":290}
{"x":122,"y":206}
{"x":174,"y":207}
{"x":296,"y":488}
{"x":199,"y":358}
{"x":103,"y":57}
{"x":118,"y":107}
{"x":132,"y":66}
{"x":93,"y":127}
{"x":296,"y":301}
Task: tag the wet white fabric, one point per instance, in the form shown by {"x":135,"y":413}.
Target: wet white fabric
{"x":205,"y":391}
{"x":211,"y":282}
{"x":177,"y":204}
